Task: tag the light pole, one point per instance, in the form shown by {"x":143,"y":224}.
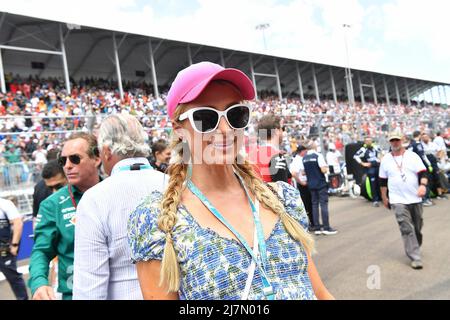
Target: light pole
{"x":348,"y":77}
{"x":262,"y":27}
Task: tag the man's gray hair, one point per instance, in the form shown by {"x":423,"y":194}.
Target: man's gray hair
{"x":125,"y":136}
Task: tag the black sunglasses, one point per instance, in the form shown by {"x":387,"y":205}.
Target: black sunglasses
{"x":206,"y":119}
{"x":74,"y":158}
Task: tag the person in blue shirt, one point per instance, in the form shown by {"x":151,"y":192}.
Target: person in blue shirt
{"x":314,"y":167}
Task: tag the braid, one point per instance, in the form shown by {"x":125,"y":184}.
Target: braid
{"x":167,"y":219}
{"x":271,"y":201}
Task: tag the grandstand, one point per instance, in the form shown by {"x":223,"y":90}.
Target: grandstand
{"x":43,"y":48}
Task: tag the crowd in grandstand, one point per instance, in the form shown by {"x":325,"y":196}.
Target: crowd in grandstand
{"x":36,"y":115}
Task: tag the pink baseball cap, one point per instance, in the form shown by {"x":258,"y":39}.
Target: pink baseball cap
{"x":191,"y":81}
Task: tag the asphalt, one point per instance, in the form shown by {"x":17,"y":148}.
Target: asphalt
{"x":366,"y":259}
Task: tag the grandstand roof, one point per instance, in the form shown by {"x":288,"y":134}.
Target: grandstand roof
{"x":90,"y":53}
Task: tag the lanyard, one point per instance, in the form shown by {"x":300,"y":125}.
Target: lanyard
{"x":262,"y":263}
{"x":135,"y":166}
{"x":400,"y":167}
{"x":74,"y":203}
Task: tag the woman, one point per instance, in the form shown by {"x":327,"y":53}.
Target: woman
{"x":219,"y":232}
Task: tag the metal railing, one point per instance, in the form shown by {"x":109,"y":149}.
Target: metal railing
{"x":19,"y":176}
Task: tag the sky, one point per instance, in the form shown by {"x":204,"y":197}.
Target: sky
{"x":400,"y":37}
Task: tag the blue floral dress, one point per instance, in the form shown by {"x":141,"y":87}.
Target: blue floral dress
{"x":216,"y":268}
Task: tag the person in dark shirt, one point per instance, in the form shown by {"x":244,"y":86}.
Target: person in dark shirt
{"x":313,"y":165}
{"x":417,"y":147}
{"x":161,"y":155}
{"x":53,"y":179}
{"x":270,"y":160}
{"x":368,"y":156}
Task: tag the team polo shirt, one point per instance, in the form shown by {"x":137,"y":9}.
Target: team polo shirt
{"x":54,"y":236}
{"x":402,"y":190}
{"x":311,"y":164}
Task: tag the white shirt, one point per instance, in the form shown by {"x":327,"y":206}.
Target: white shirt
{"x":296,"y":166}
{"x":102,"y":258}
{"x":430,"y":148}
{"x":333,"y":160}
{"x":8,"y":210}
{"x":391,"y":168}
{"x":40,"y":156}
{"x":440,"y":143}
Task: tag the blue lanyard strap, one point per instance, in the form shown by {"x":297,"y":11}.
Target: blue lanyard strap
{"x":268,"y":289}
{"x":258,"y":227}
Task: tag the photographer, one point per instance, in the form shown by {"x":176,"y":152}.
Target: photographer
{"x":11,"y":226}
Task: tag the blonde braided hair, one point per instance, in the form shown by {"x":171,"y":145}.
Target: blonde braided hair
{"x":170,"y":273}
{"x":270,"y":200}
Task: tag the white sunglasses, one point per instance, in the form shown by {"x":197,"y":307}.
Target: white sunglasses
{"x":206,"y":119}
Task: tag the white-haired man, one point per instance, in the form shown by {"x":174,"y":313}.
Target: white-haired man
{"x":102,"y":267}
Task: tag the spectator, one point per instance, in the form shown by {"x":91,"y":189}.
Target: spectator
{"x":161,"y":155}
{"x":165,"y":239}
{"x":440,"y":143}
{"x":313,"y":165}
{"x":431,"y":150}
{"x":368,"y":156}
{"x":53,"y":179}
{"x":40,"y":155}
{"x":417,"y":147}
{"x":333,"y":159}
{"x":270,"y":160}
{"x":403,"y":173}
{"x":302,"y":181}
{"x":102,"y":255}
{"x":55,"y":222}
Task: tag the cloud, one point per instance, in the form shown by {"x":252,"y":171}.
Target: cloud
{"x":413,"y":21}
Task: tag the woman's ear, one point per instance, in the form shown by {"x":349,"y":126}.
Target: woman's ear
{"x":179,"y":131}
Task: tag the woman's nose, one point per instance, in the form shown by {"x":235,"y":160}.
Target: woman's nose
{"x":223,"y":125}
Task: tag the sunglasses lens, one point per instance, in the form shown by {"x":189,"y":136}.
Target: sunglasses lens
{"x":75,"y":159}
{"x":205,"y":120}
{"x":238,"y":116}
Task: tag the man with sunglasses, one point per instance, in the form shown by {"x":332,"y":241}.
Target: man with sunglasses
{"x":103,"y":268}
{"x":55,"y":223}
{"x":404,"y":174}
